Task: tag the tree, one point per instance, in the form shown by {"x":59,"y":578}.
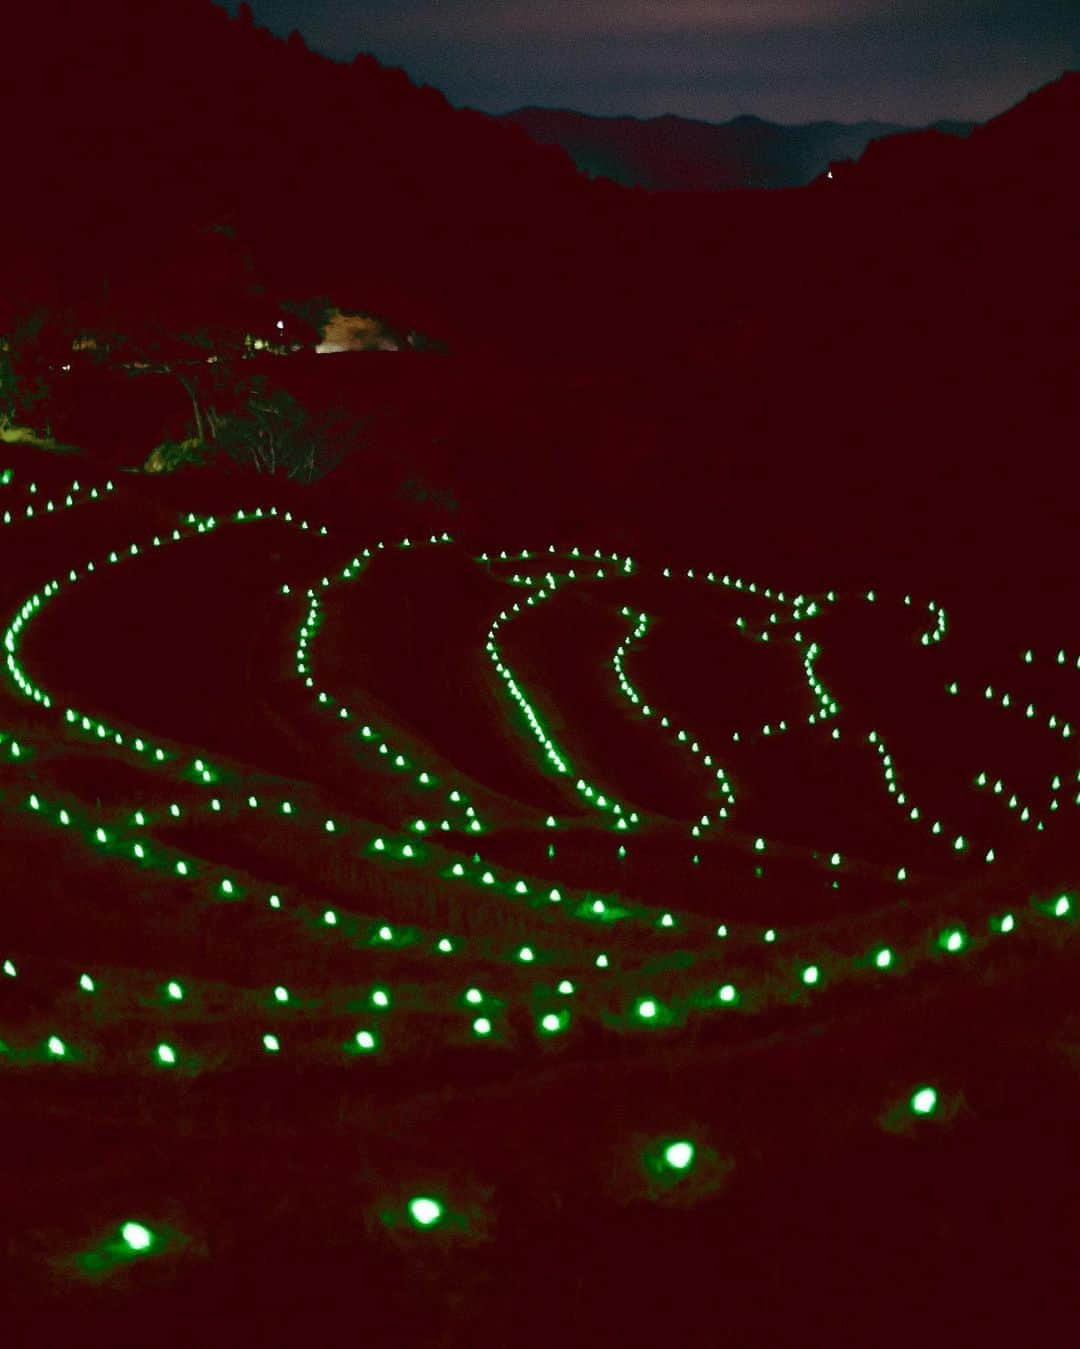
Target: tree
{"x":36,"y":347}
{"x":193,"y":316}
{"x":278,"y":434}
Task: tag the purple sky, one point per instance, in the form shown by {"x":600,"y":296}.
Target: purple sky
{"x":909,"y":61}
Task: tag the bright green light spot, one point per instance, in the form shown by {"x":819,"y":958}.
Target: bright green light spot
{"x":137,"y":1237}
{"x":759,"y":845}
{"x":166,"y":1054}
{"x":380,"y":998}
{"x":481,"y":1026}
{"x":810,"y":974}
{"x":174,"y":990}
{"x":924,"y":1100}
{"x":525,"y":954}
{"x":425,"y":1211}
{"x":646,"y":1009}
{"x":86,"y":983}
{"x":726,"y":993}
{"x":1061,"y":906}
{"x":281,"y":993}
{"x":445,"y":944}
{"x":365,"y":1039}
{"x":271,"y":1044}
{"x":952,"y":939}
{"x":883,"y":958}
{"x":57,"y":1046}
{"x":770,"y":935}
{"x":679,"y":1155}
{"x":550,"y":1022}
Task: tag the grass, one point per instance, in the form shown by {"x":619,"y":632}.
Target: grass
{"x":24,"y":435}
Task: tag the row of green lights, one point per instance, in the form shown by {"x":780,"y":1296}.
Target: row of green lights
{"x":310,"y":624}
{"x":70,"y":499}
{"x":192,"y":517}
{"x":727,"y":793}
{"x":558,"y":760}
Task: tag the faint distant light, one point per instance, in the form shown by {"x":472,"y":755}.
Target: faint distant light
{"x":829,"y":174}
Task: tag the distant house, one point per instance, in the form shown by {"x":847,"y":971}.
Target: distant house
{"x":356,"y":332}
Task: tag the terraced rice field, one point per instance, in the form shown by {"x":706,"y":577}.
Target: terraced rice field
{"x":512,"y":941}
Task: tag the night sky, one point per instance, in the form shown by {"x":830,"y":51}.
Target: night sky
{"x":791,"y":61}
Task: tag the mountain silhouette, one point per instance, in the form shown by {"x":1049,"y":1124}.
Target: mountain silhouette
{"x":666,"y":154}
{"x":349,"y":181}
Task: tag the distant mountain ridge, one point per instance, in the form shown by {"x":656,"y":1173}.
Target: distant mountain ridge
{"x":679,"y":154}
{"x":1032,"y":143}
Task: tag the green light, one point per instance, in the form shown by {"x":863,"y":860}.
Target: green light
{"x":525,"y":954}
{"x":365,"y":1039}
{"x":759,"y":845}
{"x":57,"y":1047}
{"x":380,"y":998}
{"x":271,"y":1044}
{"x":137,"y":1237}
{"x":834,"y":860}
{"x":174,"y":990}
{"x":770,"y":935}
{"x":883,"y":958}
{"x":330,"y":918}
{"x":86,"y":983}
{"x":550,"y":1022}
{"x":566,"y":986}
{"x":810,"y":975}
{"x":481,"y":1026}
{"x":924,"y":1100}
{"x":281,"y":994}
{"x":101,"y":835}
{"x":226,"y":887}
{"x":646,"y":1009}
{"x":165,"y":1054}
{"x":952,"y":939}
{"x":1061,"y":906}
{"x":445,"y":944}
{"x":726,"y":993}
{"x":679,"y":1155}
{"x":424,"y":1211}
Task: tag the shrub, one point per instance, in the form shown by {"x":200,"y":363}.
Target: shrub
{"x":278,"y":434}
{"x":173,"y":454}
